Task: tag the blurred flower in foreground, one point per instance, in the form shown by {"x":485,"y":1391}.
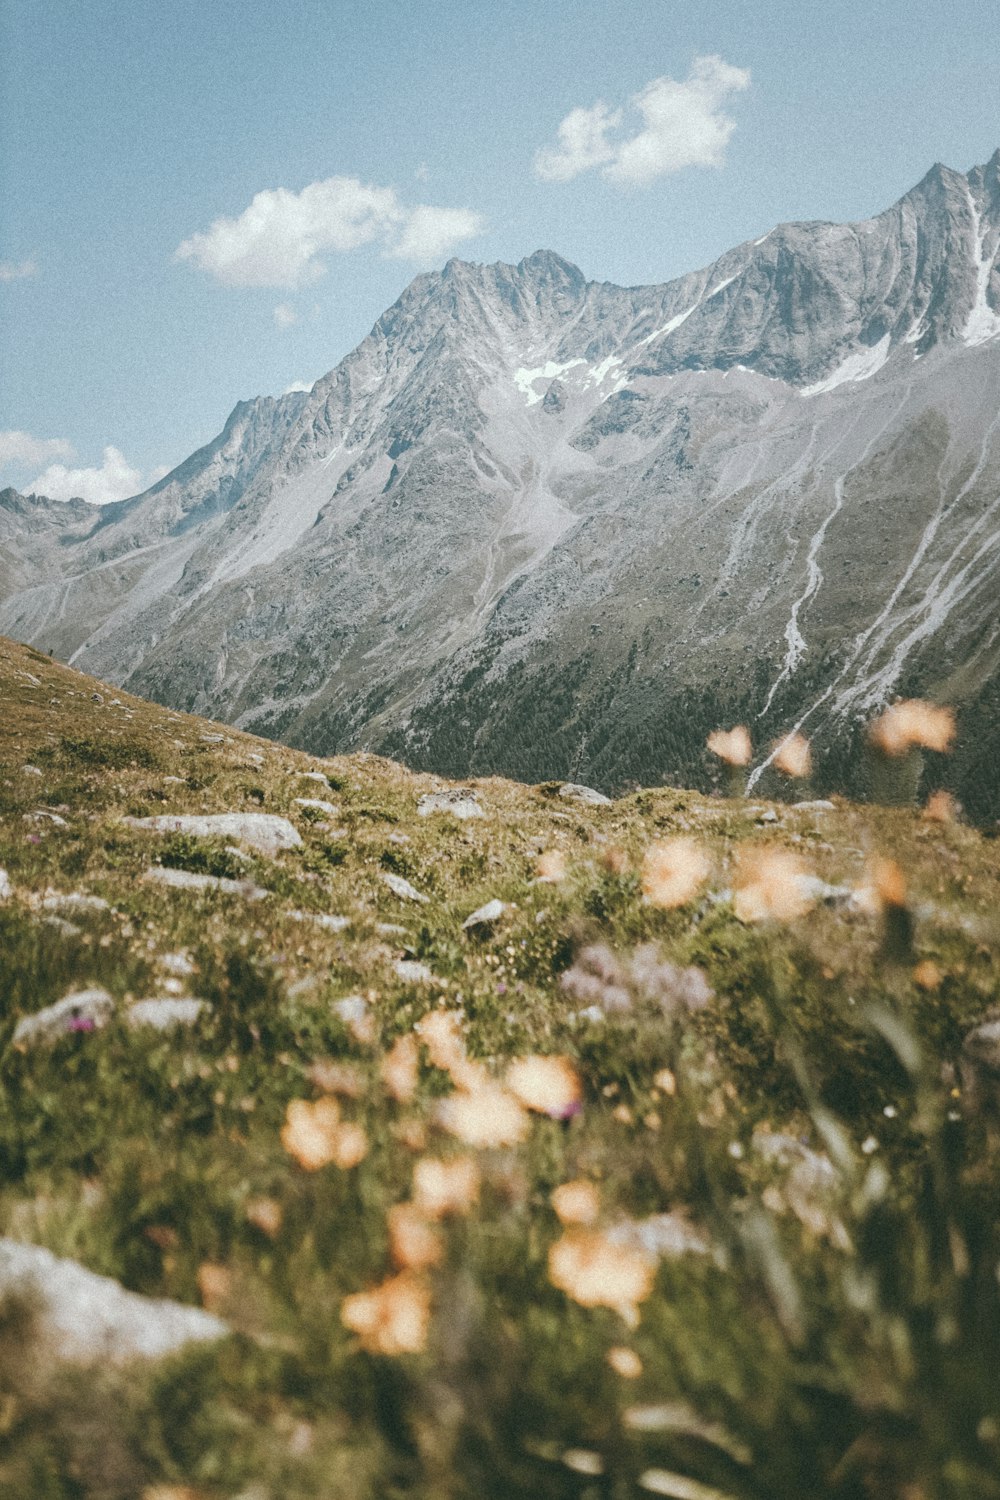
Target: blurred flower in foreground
{"x":913,"y":722}
{"x":672,"y":872}
{"x":445,"y":1187}
{"x":941,"y":808}
{"x":793,"y":757}
{"x":400,"y":1069}
{"x":414,"y":1244}
{"x":549,"y":1085}
{"x":489,"y":1116}
{"x":392,"y":1318}
{"x":214,"y":1282}
{"x":576,"y":1202}
{"x":731,"y":745}
{"x":625,"y":1362}
{"x":927,"y":976}
{"x":884,"y":887}
{"x":551,"y":866}
{"x":315,"y":1135}
{"x":592,"y":1270}
{"x":614,"y":983}
{"x":264,"y":1214}
{"x":771,"y":884}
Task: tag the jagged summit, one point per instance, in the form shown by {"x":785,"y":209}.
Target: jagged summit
{"x":559,"y":527}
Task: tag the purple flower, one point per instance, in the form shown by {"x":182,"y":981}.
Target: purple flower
{"x":80,"y":1023}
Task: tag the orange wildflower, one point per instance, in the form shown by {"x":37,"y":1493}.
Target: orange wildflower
{"x":447,"y":1187}
{"x":264,"y":1214}
{"x":549,"y":1085}
{"x":731,"y":745}
{"x":625,"y":1362}
{"x":576,"y":1202}
{"x":595,"y":1272}
{"x":489,"y":1116}
{"x":793,"y":756}
{"x":771,"y":885}
{"x":672,"y":872}
{"x":400,"y":1069}
{"x":913,"y":722}
{"x":392,"y":1318}
{"x":414,"y":1244}
{"x":315,"y":1135}
{"x":941,"y":808}
{"x":551,"y":866}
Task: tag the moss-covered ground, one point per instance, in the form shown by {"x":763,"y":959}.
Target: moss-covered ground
{"x":839,"y":1337}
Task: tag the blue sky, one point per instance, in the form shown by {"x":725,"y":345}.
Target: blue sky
{"x":341,"y":147}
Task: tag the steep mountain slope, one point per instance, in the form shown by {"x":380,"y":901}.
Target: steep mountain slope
{"x":547,"y":526}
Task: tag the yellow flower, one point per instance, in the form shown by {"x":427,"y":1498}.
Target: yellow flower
{"x":672,"y":872}
{"x":392,"y":1318}
{"x":625,"y":1362}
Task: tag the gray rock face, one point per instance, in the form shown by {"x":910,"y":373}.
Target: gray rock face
{"x":458,"y":801}
{"x":551,"y":527}
{"x":265,"y":832}
{"x":90,"y":1319}
{"x":82,"y":1010}
{"x":572,"y":791}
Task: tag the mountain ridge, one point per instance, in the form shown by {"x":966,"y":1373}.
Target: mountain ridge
{"x":529,"y":510}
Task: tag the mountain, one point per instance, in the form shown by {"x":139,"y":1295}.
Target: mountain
{"x":549,"y":527}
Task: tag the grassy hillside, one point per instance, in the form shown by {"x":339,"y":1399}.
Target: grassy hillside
{"x":779,"y":1279}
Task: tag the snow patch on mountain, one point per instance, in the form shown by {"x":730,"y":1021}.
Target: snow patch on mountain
{"x":860,"y":366}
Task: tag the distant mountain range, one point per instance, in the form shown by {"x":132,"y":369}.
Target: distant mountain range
{"x":552,"y":527}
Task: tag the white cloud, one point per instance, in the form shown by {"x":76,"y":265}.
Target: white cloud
{"x":429,"y":232}
{"x":281,"y":239}
{"x":285,"y":315}
{"x":116,"y":479}
{"x":583,"y":143}
{"x":17,"y":270}
{"x":21,"y":450}
{"x":296,"y":385}
{"x":683,"y":125}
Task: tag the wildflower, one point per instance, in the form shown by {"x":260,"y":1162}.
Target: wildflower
{"x":315,"y":1135}
{"x":487,"y":1116}
{"x":913,"y":722}
{"x":576,"y":1202}
{"x":731,"y":745}
{"x":549,"y":1085}
{"x":941,"y":808}
{"x":771,"y":884}
{"x":615,"y":861}
{"x":414,"y":1244}
{"x":595,"y":1272}
{"x":336,"y":1078}
{"x":264,"y":1214}
{"x":666,"y":1080}
{"x":392,"y":1318}
{"x":793,"y":757}
{"x":625,"y":1362}
{"x":885,"y":887}
{"x":441,"y":1033}
{"x":551,"y":867}
{"x":213,"y":1285}
{"x":927,"y":976}
{"x":400,"y":1069}
{"x":447,"y":1187}
{"x":672,"y":872}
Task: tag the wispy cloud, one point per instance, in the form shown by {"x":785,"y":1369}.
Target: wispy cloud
{"x":282,"y":238}
{"x":114,"y":479}
{"x":296,"y":385}
{"x":21,"y":450}
{"x":680,"y":124}
{"x":17,"y":270}
{"x":285,"y":315}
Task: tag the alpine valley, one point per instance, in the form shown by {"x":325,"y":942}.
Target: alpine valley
{"x":547,"y":527}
